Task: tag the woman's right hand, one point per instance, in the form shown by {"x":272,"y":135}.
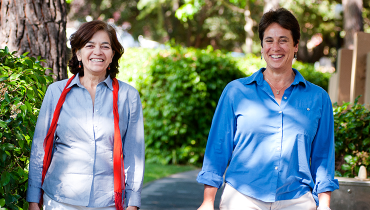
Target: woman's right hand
{"x":34,"y":206}
{"x":206,"y":206}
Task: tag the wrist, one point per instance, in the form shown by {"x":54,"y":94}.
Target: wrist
{"x":323,"y":208}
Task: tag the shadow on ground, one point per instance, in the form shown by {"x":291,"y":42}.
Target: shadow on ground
{"x":177,"y":192}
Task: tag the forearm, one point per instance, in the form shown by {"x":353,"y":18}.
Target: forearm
{"x":324,"y":199}
{"x":209,"y":194}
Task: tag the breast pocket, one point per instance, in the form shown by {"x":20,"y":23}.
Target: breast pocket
{"x":307,"y":120}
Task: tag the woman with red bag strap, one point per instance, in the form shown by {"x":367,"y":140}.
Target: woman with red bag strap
{"x":88,"y":147}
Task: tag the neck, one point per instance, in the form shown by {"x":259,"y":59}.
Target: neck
{"x":89,"y":80}
{"x":279,"y":76}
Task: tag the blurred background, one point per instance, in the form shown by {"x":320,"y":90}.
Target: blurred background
{"x":230,"y":25}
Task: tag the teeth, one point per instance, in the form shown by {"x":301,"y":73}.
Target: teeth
{"x":276,"y":56}
{"x":97,"y":60}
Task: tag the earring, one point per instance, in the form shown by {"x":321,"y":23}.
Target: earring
{"x":295,"y":55}
{"x":109,"y":67}
{"x":261,"y":57}
{"x":79,"y":64}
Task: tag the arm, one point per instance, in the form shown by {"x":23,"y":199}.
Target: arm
{"x":37,"y":151}
{"x":134,"y":152}
{"x":209,"y":198}
{"x":219,"y":149}
{"x":323,"y":156}
{"x":324,"y":199}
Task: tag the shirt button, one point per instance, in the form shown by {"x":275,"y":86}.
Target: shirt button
{"x":280,"y":111}
{"x":308,"y":109}
{"x":285,"y":97}
{"x":276,"y":168}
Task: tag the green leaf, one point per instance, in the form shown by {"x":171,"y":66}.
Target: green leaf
{"x":366,"y":141}
{"x":14,"y":76}
{"x":7,"y":97}
{"x":5,"y":178}
{"x":346,"y":167}
{"x":2,"y":202}
{"x":3,"y":124}
{"x":3,"y":78}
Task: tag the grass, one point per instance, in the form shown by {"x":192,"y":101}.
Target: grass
{"x":155,"y":171}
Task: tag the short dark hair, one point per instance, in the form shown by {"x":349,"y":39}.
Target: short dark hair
{"x":284,"y":18}
{"x":84,"y":34}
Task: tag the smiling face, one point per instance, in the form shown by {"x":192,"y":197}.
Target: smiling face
{"x":96,"y":55}
{"x":278,"y":47}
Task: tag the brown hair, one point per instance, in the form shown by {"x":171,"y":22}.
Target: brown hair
{"x":84,"y":34}
{"x":284,"y":18}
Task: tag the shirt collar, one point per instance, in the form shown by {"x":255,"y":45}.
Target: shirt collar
{"x":258,"y":78}
{"x":76,"y":81}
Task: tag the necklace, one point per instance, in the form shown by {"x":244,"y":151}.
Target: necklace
{"x":277,"y":91}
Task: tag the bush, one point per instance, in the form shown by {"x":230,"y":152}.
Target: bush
{"x":352,"y":138}
{"x":251,"y":63}
{"x":22,"y":87}
{"x":180,"y":89}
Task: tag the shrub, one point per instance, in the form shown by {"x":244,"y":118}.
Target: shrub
{"x":22,"y":87}
{"x":352,"y":138}
{"x":180,"y":89}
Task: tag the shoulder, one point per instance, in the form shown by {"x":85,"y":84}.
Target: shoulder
{"x":123,"y":86}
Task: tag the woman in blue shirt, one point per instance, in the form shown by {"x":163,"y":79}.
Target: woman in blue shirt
{"x":96,"y":133}
{"x":275,"y":132}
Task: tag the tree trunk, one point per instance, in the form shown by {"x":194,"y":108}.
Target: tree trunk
{"x":353,"y":21}
{"x":270,"y":5}
{"x":38,"y":27}
{"x":248,"y":27}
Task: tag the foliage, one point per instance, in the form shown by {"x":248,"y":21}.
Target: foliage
{"x":251,"y":63}
{"x":352,"y":138}
{"x":22,"y":87}
{"x":180,"y":89}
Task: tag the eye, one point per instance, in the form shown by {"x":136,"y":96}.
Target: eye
{"x":106,"y":47}
{"x":89,"y":46}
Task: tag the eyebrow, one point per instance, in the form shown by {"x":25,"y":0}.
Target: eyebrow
{"x":101,"y":43}
{"x":280,"y":37}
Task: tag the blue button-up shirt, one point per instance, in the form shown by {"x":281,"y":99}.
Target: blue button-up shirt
{"x":81,"y":170}
{"x":275,"y":152}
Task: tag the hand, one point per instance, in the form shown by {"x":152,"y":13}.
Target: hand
{"x":132,"y":208}
{"x":207,"y":206}
{"x":34,"y":206}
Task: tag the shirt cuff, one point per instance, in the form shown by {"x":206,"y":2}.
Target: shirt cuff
{"x":327,"y":185}
{"x":33,"y":194}
{"x":133,"y":198}
{"x":210,"y":179}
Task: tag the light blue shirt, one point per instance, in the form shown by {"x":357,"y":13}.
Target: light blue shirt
{"x":275,"y":152}
{"x":81,"y":170}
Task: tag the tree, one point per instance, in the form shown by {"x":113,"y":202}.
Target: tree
{"x":38,"y":27}
{"x":353,"y":21}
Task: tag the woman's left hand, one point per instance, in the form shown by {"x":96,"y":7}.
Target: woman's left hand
{"x":132,"y":208}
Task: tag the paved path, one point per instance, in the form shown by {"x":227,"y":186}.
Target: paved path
{"x":176,"y":192}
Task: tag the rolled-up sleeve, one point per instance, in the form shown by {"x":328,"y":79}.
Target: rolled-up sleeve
{"x":323,"y":152}
{"x":134,"y":151}
{"x":37,"y":151}
{"x":220,"y":142}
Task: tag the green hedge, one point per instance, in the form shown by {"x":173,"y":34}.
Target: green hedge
{"x":352,"y":138}
{"x":22,"y":86}
{"x":180,"y":89}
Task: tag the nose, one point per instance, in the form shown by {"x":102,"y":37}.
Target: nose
{"x":275,"y":46}
{"x":97,"y":50}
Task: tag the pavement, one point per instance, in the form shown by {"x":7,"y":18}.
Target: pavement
{"x":176,"y":192}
